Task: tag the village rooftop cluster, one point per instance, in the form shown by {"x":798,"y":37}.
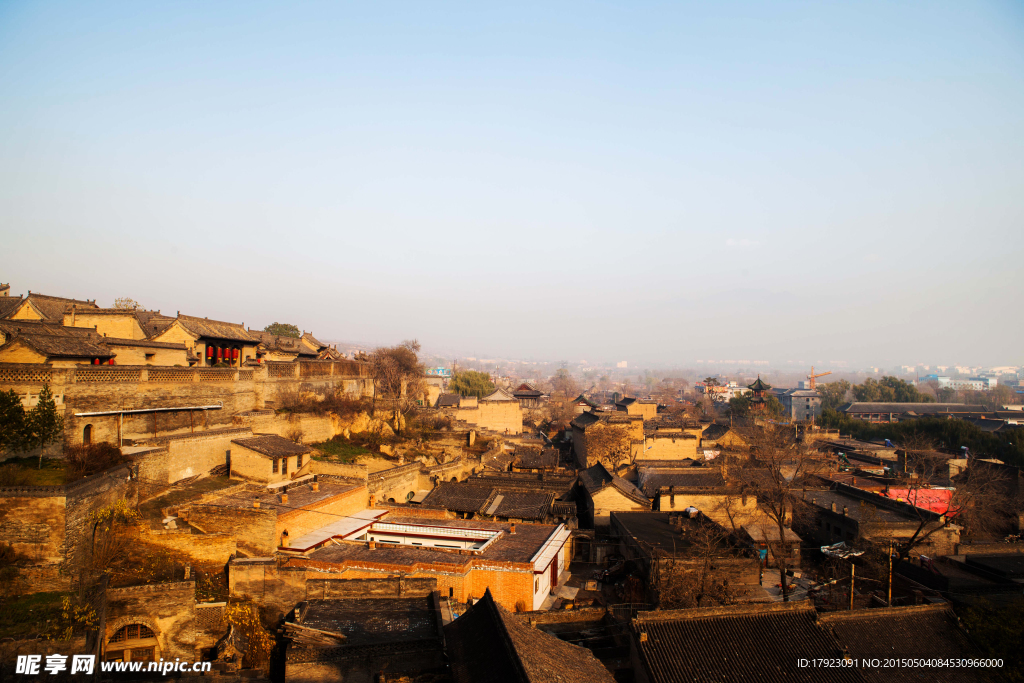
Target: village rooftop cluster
{"x":285,"y":511}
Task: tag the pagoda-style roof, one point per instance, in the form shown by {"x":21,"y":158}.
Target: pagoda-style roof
{"x":759,"y":385}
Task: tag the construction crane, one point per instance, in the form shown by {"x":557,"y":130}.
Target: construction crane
{"x":813,"y":377}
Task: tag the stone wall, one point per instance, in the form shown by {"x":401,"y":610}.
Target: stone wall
{"x":503,"y":417}
{"x":336,"y":469}
{"x":670,"y":447}
{"x":254,"y":529}
{"x":188,"y":455}
{"x":213,"y":547}
{"x":395,"y":483}
{"x":310,"y":517}
{"x":167,"y":608}
{"x":127,"y":387}
{"x":50,"y":525}
{"x":32,"y":521}
{"x":89,"y":495}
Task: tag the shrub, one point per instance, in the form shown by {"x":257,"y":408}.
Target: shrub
{"x":87,"y":459}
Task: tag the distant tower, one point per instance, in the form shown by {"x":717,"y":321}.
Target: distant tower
{"x":758,"y":402}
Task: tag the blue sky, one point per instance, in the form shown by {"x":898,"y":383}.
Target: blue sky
{"x":641,"y":181}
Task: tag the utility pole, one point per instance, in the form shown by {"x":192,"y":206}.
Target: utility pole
{"x":890,"y":572}
{"x":853,"y":568}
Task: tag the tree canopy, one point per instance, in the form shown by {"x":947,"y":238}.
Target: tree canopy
{"x":889,"y":390}
{"x":833,"y":394}
{"x":127,"y":304}
{"x":283,"y":330}
{"x":471,"y":383}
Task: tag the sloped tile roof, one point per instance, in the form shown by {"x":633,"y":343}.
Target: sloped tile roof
{"x":691,"y":478}
{"x":53,"y":307}
{"x":460,"y":497}
{"x":9,"y":304}
{"x":923,"y":631}
{"x":741,"y":644}
{"x":527,"y":457}
{"x":216,"y":329}
{"x":61,"y":346}
{"x":597,"y":477}
{"x":489,"y":643}
{"x":448,"y":401}
{"x":272,"y":446}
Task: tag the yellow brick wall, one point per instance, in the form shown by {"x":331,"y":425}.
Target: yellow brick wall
{"x":26,"y":312}
{"x":19,"y":353}
{"x":119,"y":326}
{"x":299,"y":522}
{"x":674,"y":447}
{"x":136,"y":355}
{"x":248,"y":464}
{"x":729,"y":510}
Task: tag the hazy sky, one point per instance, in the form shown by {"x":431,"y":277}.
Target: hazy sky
{"x":647,"y":182}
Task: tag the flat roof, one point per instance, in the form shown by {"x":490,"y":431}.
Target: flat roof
{"x":527,"y":545}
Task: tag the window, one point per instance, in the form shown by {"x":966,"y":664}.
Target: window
{"x":298,"y":461}
{"x":87,"y":435}
{"x":132,"y":632}
{"x":284,"y":465}
{"x":275,"y":466}
{"x":536,"y":585}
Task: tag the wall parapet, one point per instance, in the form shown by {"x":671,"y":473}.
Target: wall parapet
{"x":38,"y":374}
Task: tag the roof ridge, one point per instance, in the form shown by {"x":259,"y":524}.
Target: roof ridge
{"x":847,"y":615}
{"x":492,"y":606}
{"x":753,"y":609}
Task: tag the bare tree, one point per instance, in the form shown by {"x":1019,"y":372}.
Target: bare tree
{"x":397,"y":378}
{"x":692,"y":577}
{"x":784,"y":465}
{"x":980,"y":499}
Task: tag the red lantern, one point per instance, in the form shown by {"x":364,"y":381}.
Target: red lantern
{"x":95,"y":361}
{"x":110,"y":362}
{"x":220,"y":353}
{"x":209,"y":352}
{"x":234,"y":354}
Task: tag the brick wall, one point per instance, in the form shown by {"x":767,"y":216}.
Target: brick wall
{"x":34,"y":525}
{"x":213,"y":547}
{"x":498,"y":416}
{"x":670,"y":447}
{"x":167,"y":608}
{"x":310,"y":517}
{"x":254,"y":529}
{"x":85,"y":497}
{"x":188,"y":456}
{"x":144,"y":386}
{"x":336,"y":469}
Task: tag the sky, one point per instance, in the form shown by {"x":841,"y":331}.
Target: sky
{"x":648,"y":182}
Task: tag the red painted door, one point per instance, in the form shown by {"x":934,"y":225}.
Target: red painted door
{"x":554,"y":573}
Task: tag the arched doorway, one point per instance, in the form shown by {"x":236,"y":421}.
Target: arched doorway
{"x":87,"y":435}
{"x":134,"y":642}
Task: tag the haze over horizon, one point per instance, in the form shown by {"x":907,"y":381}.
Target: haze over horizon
{"x":648,"y":182}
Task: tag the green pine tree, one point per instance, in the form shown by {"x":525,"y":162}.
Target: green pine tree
{"x":12,"y":422}
{"x":45,"y":424}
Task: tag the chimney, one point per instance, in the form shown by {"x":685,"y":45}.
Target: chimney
{"x":315,"y":485}
{"x":643,"y":636}
{"x":512,"y":529}
{"x":833,"y":507}
{"x":814,"y":501}
{"x":284,"y":497}
{"x":255,"y":503}
{"x":844,"y":511}
{"x":188,"y":572}
{"x":372,"y":545}
{"x":285,"y":542}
